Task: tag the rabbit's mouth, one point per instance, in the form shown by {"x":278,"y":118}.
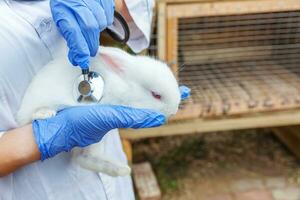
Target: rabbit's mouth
{"x":170,"y":111}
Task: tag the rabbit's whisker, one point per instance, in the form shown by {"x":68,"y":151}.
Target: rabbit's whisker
{"x":181,"y":67}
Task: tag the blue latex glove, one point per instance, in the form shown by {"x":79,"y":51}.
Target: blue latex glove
{"x":85,"y":125}
{"x":80,"y":22}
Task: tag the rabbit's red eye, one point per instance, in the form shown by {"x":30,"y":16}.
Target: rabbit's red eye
{"x":155,"y":95}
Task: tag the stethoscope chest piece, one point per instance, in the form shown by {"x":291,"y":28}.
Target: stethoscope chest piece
{"x":88,"y":87}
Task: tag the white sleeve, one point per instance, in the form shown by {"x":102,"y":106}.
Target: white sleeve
{"x":141,"y":11}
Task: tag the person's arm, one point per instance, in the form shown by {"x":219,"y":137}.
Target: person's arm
{"x":75,"y":126}
{"x":17,"y":148}
{"x":71,"y":127}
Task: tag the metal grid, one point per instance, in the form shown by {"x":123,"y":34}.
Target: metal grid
{"x":239,"y":64}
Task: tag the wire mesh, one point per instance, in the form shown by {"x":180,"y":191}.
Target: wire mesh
{"x":240,"y":63}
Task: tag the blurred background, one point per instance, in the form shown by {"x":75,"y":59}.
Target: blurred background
{"x":237,"y":137}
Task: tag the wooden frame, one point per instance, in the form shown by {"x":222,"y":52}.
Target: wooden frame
{"x":171,"y":12}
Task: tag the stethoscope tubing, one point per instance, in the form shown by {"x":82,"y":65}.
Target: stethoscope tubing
{"x":125,"y":27}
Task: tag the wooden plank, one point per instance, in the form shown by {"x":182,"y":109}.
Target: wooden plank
{"x":172,"y":40}
{"x":270,"y":119}
{"x":145,"y":182}
{"x":161,"y":31}
{"x":290,"y":136}
{"x":231,"y":8}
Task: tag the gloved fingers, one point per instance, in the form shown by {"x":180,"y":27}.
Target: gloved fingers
{"x":100,"y":13}
{"x":113,"y":116}
{"x":78,"y":48}
{"x":127,"y":117}
{"x":90,"y":27}
{"x":185,"y":92}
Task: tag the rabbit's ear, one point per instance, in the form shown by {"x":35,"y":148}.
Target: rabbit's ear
{"x":115,"y":58}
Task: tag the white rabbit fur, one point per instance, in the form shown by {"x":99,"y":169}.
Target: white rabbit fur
{"x":128,"y":80}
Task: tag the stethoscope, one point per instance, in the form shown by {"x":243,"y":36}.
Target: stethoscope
{"x":89,"y":86}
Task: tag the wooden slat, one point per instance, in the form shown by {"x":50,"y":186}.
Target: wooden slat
{"x":161,"y":31}
{"x":172,"y":40}
{"x":271,"y":119}
{"x":290,"y":136}
{"x":231,"y":8}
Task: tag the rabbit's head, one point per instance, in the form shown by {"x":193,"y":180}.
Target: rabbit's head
{"x":137,"y":81}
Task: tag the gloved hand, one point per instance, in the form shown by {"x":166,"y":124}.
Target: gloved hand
{"x":80,"y":22}
{"x":85,"y":125}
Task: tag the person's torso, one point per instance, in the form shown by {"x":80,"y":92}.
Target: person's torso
{"x":28,"y":41}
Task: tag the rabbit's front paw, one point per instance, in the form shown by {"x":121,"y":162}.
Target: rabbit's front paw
{"x":43,"y":113}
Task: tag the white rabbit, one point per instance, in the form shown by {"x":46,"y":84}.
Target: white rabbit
{"x":136,"y":81}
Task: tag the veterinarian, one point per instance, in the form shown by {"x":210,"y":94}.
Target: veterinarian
{"x":34,"y":163}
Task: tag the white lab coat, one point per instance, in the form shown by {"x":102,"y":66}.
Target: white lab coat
{"x":28,"y":41}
